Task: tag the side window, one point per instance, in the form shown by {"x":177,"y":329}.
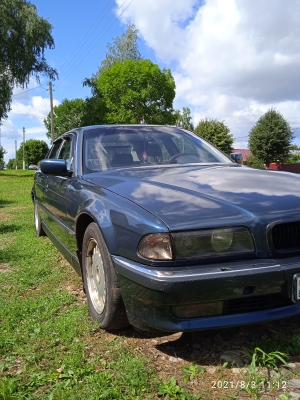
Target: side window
{"x":65,"y":152}
{"x":54,"y":150}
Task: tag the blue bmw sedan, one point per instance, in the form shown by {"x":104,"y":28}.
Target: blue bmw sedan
{"x":167,"y":232}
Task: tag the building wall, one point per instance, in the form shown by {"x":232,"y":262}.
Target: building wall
{"x":294,"y":168}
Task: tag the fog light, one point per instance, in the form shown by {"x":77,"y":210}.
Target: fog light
{"x":198,"y":310}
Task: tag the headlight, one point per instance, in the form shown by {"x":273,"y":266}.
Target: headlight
{"x":156,"y":246}
{"x":213,"y":242}
{"x":221,"y":239}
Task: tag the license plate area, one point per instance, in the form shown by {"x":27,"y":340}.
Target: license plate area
{"x":296,"y":289}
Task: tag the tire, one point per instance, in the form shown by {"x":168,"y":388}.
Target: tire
{"x":37,"y":221}
{"x":100,"y":282}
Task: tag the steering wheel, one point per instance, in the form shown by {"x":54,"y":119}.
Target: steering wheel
{"x":173,"y":158}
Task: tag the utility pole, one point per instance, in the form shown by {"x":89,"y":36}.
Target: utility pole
{"x":51,"y":112}
{"x":16,"y":154}
{"x":23,"y":148}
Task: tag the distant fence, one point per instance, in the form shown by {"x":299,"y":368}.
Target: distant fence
{"x":294,"y":168}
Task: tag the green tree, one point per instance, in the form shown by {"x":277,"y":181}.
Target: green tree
{"x":184,"y":119}
{"x":216,"y":132}
{"x":24,"y":36}
{"x":254,"y":162}
{"x":35,"y":151}
{"x":294,"y":155}
{"x":137,"y":92}
{"x":94,"y":110}
{"x":11,"y":164}
{"x":271,"y":137}
{"x":69,"y":114}
{"x":2,"y":152}
{"x":295,"y":147}
{"x":124,"y":47}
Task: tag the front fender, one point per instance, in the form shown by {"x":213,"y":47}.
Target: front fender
{"x":122,"y":222}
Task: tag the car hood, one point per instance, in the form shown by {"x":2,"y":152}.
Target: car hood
{"x":190,"y":197}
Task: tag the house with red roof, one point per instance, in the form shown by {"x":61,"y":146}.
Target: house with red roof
{"x":245,"y":153}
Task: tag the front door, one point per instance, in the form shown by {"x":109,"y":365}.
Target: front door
{"x":56,"y":194}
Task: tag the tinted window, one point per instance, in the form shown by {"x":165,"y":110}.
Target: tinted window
{"x":54,"y":150}
{"x":65,"y":152}
{"x":137,"y":146}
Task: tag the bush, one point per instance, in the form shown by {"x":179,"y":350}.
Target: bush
{"x":255,"y":162}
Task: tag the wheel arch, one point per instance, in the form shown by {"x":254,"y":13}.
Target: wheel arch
{"x":99,"y":278}
{"x":83,"y":221}
{"x":98,"y":213}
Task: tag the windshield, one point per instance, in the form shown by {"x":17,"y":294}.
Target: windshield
{"x":120,"y":146}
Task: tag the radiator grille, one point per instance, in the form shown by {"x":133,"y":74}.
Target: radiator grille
{"x":254,"y":303}
{"x":286,"y":237}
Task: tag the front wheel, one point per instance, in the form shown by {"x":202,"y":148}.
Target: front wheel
{"x":100,"y":282}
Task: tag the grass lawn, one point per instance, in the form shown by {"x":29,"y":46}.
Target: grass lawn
{"x":49,"y":347}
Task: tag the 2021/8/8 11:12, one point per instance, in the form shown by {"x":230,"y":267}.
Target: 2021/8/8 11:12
{"x":266,"y":385}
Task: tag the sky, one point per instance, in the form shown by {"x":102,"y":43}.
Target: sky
{"x":232,"y":60}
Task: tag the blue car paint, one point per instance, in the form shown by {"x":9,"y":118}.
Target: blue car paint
{"x":129,"y":203}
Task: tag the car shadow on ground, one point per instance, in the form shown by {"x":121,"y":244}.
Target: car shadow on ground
{"x":9,"y":228}
{"x":206,"y":347}
{"x":4,"y":203}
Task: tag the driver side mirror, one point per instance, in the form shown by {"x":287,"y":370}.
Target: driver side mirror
{"x":54,"y":167}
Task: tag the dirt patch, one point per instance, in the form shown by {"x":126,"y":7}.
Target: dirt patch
{"x":20,"y":209}
{"x":5,"y":267}
{"x":7,"y":242}
{"x":4,"y":216}
{"x":170,"y":354}
{"x":76,"y":291}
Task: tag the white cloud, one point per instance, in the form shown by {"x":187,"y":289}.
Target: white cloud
{"x":24,"y":93}
{"x":9,"y":134}
{"x":160,"y":19}
{"x":234,"y":59}
{"x":38,"y":108}
{"x":28,"y":112}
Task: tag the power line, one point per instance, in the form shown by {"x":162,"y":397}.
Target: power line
{"x":25,"y":91}
{"x":40,"y":110}
{"x":93,"y":44}
{"x":89,"y":33}
{"x":42,"y":107}
{"x":81,"y":44}
{"x":51,"y":113}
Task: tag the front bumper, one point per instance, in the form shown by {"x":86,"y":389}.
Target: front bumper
{"x":149,"y":293}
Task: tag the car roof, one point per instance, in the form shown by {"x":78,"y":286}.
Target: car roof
{"x":90,"y":127}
